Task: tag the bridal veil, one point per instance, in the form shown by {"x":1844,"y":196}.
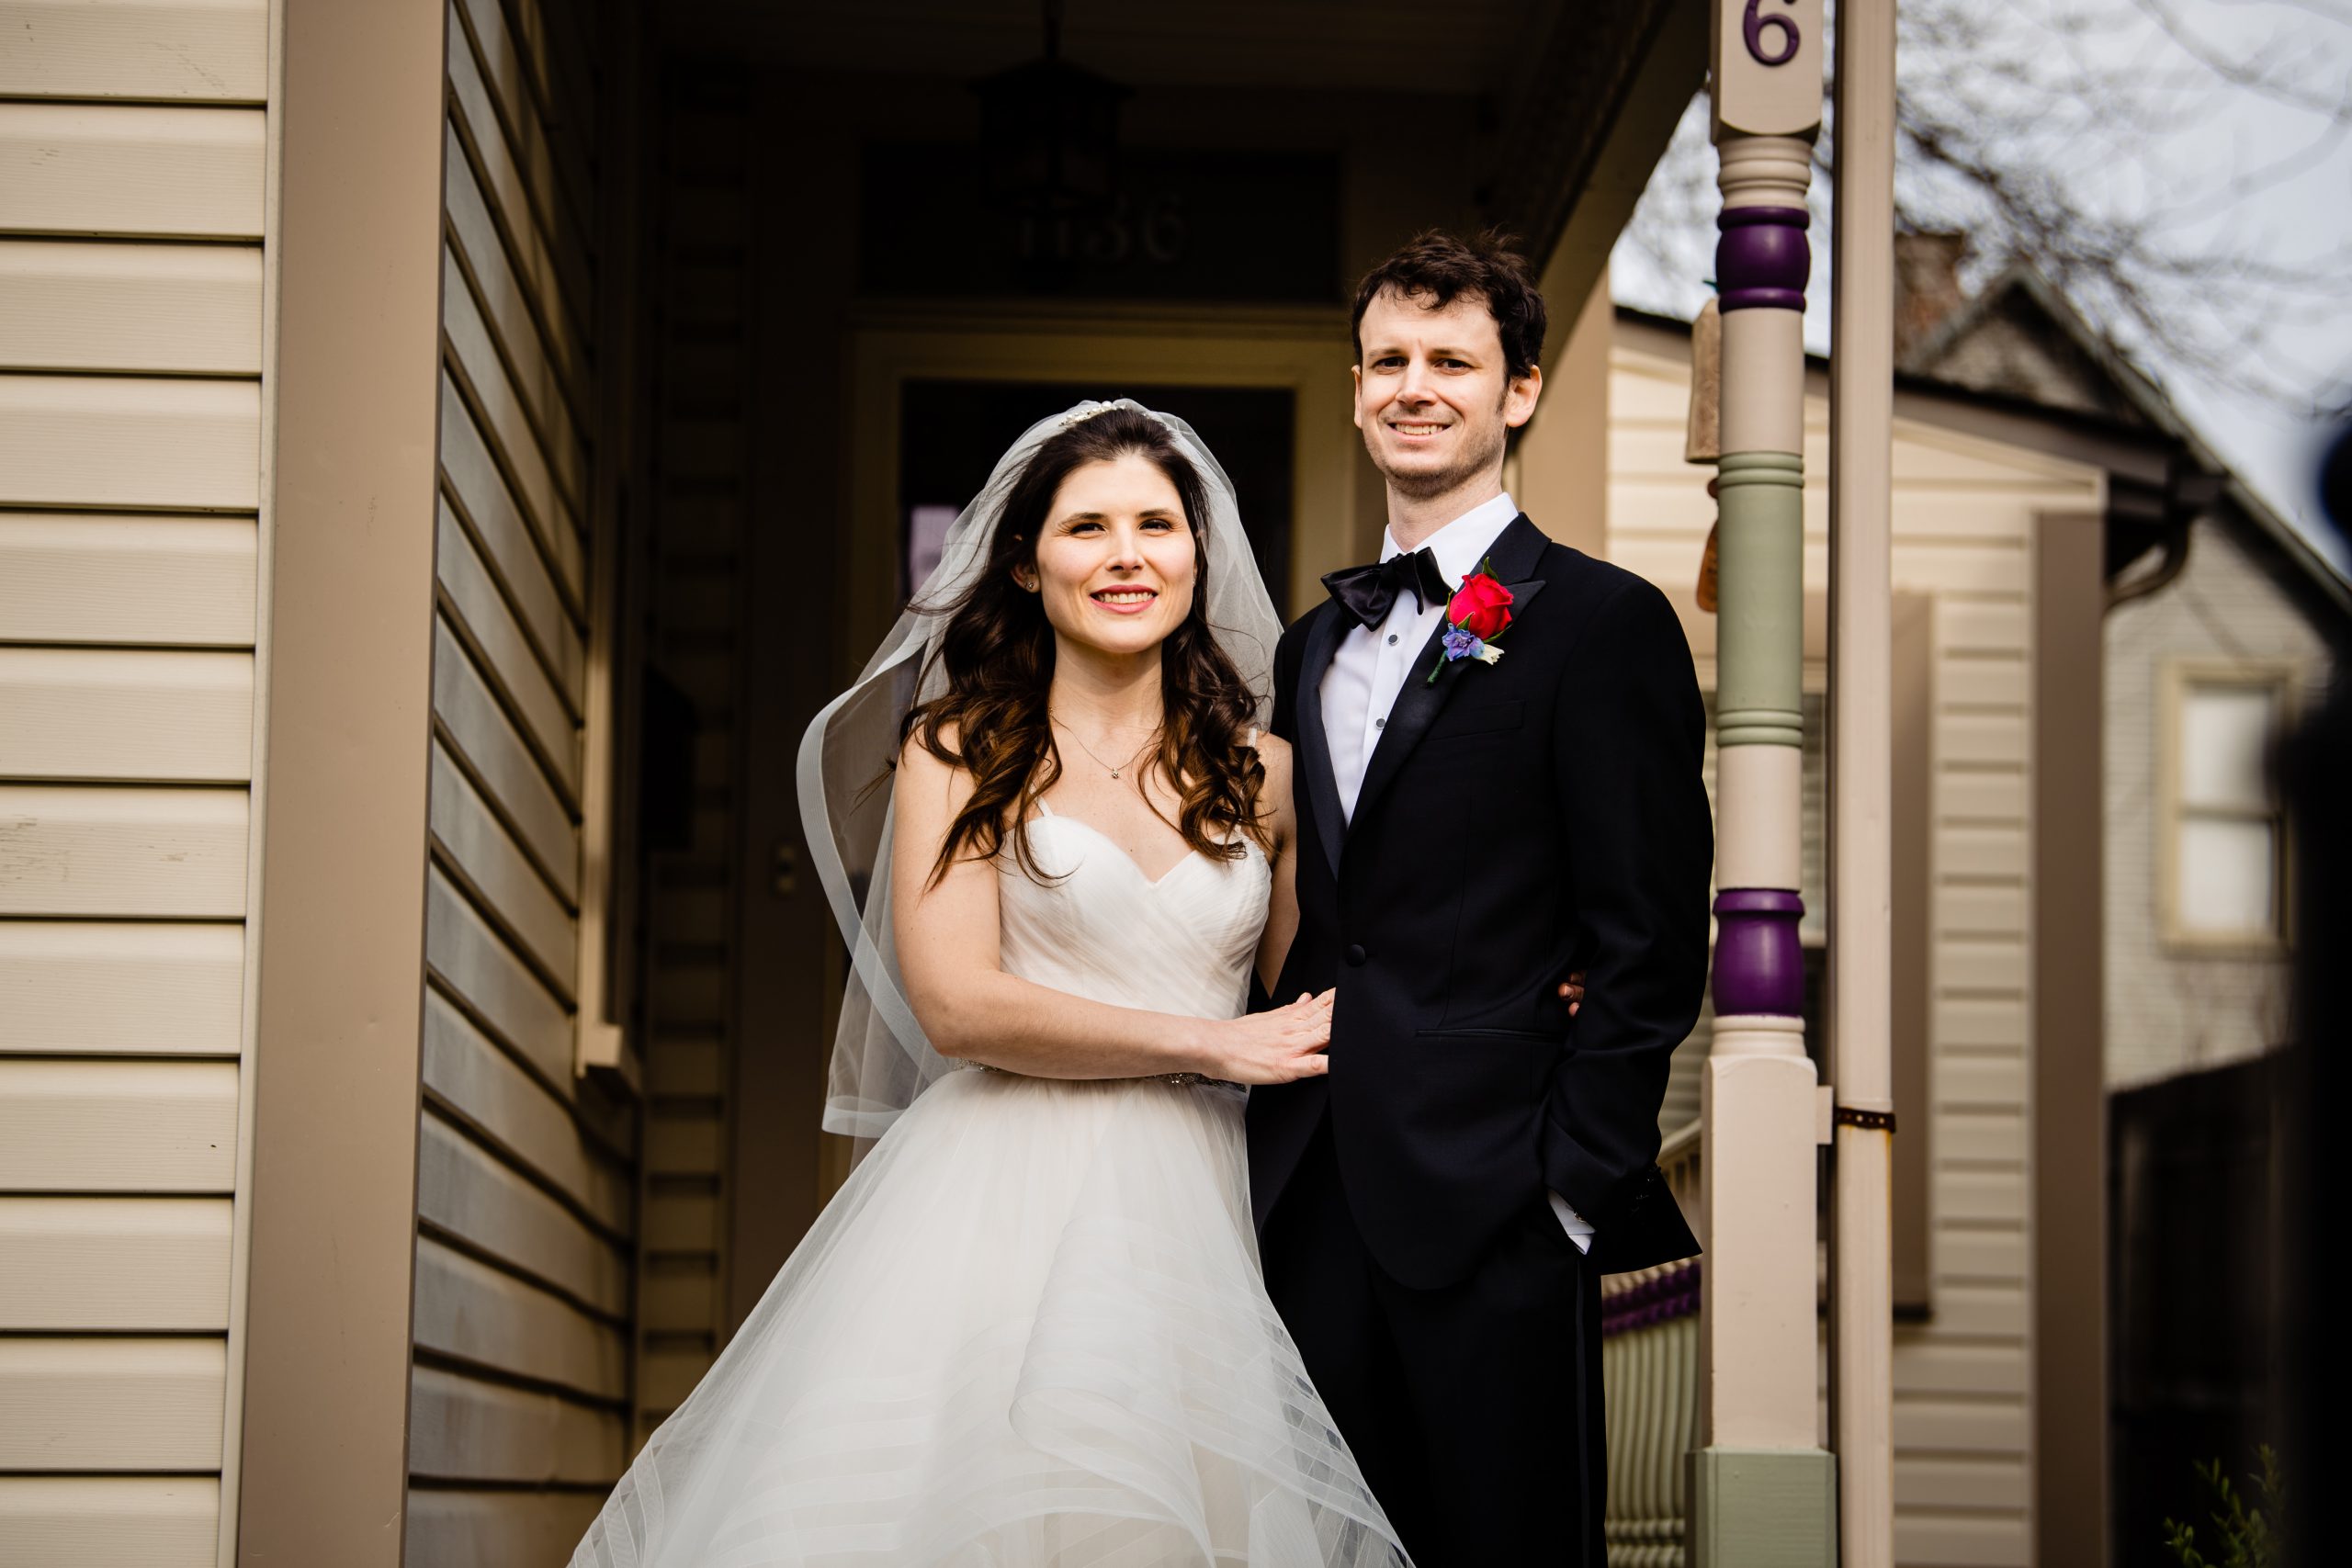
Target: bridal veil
{"x":880,"y":1059}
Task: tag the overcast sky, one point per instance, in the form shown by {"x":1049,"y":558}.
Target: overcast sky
{"x":2240,"y":166}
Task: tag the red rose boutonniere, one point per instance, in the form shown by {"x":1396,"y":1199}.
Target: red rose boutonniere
{"x":1478,"y":615}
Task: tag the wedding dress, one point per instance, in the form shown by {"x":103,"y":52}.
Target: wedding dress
{"x":1029,"y":1331}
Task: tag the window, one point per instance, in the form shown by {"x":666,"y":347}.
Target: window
{"x":2222,"y":851}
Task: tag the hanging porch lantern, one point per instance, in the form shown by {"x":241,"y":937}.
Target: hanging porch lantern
{"x":1048,"y":133}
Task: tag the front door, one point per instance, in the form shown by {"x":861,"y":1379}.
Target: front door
{"x":951,"y":433}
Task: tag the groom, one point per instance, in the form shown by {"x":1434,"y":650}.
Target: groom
{"x":1436,"y":1213}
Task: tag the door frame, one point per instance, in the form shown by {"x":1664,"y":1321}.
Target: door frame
{"x":1305,"y":352}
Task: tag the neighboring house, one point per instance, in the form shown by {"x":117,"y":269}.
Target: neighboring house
{"x":2218,"y":630}
{"x":2018,"y":433}
{"x":1975,"y":506}
{"x":2217,"y":636}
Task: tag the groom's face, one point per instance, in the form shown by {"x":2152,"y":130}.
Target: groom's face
{"x":1433,"y":397}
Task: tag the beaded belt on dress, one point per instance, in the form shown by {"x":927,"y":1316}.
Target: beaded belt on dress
{"x":1183,"y":1080}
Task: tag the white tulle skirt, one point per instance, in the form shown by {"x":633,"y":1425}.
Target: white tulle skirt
{"x":1029,"y":1332}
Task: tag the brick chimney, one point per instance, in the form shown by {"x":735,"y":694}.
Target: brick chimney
{"x":1926,"y":287}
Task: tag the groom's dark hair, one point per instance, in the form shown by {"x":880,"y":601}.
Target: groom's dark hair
{"x":1437,"y":268}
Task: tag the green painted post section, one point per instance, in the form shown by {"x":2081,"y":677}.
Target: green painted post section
{"x":1759,"y":675}
{"x":1762,"y":1508}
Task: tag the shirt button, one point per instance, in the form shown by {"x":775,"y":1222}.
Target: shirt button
{"x":1356,"y":957}
{"x":1380,"y":724}
{"x":1392,"y":639}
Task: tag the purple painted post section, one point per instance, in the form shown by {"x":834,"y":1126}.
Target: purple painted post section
{"x":1759,"y":963}
{"x":1762,"y":260}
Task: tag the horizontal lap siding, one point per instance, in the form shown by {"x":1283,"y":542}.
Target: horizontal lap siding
{"x":468,"y":1431}
{"x":110,"y":1521}
{"x":80,"y":1126}
{"x":69,"y":713}
{"x":127,"y":580}
{"x":78,"y":1405}
{"x":93,"y":305}
{"x":451,"y":1525}
{"x":1963,"y":518}
{"x":526,"y":1201}
{"x":158,"y":853}
{"x":198,"y":50}
{"x":108,"y":987}
{"x":131,"y":170}
{"x":131,"y":302}
{"x":114,"y":1264}
{"x":126,"y":442}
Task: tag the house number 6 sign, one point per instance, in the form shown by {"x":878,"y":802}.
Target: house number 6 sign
{"x":1766,"y":56}
{"x":1751,"y":27}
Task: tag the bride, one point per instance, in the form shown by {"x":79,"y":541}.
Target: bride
{"x":1029,"y":1331}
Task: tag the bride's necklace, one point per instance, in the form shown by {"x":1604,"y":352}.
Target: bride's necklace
{"x":1090,"y":751}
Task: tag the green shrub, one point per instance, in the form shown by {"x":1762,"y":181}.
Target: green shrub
{"x":2243,"y":1538}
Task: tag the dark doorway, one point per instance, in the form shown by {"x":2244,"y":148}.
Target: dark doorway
{"x":954,"y":432}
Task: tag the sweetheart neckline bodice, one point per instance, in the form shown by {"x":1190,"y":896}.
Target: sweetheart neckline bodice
{"x":1182,"y":943}
{"x":1249,"y":846}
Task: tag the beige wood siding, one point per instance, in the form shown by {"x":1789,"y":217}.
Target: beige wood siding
{"x":131,"y":299}
{"x":164,"y":51}
{"x":526,"y":1201}
{"x":1964,"y":512}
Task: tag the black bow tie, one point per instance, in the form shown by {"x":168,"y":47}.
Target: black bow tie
{"x":1367,"y":592}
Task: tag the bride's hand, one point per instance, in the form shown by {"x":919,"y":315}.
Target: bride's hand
{"x":1280,"y":1046}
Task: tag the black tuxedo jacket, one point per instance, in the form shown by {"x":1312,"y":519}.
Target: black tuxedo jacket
{"x":1518,"y":821}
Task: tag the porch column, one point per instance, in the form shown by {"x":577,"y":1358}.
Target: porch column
{"x":352,"y":402}
{"x":1762,"y":1489}
{"x":1862,"y":781}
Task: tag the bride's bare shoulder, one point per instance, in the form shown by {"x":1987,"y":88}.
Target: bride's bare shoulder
{"x":946,"y":737}
{"x":923,"y":771}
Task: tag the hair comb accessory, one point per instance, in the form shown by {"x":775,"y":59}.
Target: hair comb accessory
{"x":1083,"y":413}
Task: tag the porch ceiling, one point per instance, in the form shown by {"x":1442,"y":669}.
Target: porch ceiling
{"x":1463,"y":48}
{"x":1578,"y":98}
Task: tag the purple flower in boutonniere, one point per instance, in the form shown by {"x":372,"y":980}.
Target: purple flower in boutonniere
{"x":1478,"y":615}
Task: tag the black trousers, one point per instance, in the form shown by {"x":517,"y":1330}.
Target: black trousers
{"x":1475,"y":1410}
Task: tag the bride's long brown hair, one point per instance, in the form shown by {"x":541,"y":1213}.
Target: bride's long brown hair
{"x":998,"y":652}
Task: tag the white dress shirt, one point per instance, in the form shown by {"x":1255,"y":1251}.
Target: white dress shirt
{"x":1370,"y":668}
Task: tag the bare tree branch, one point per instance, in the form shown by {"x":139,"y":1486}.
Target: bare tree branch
{"x":2052,"y":139}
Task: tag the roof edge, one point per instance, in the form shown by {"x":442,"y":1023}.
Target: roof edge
{"x":2136,"y":386}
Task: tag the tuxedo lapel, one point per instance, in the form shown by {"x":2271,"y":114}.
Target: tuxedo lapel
{"x":1314,"y":745}
{"x":1421,"y":700}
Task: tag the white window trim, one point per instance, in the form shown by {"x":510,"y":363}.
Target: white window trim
{"x":2285,"y":678}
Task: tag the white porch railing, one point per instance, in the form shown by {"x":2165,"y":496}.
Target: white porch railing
{"x":1649,"y":1365}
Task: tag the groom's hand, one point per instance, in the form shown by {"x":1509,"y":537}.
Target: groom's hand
{"x":1573,"y":988}
{"x":1280,"y":1046}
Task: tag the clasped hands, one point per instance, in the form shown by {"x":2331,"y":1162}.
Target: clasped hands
{"x":1286,"y":1044}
